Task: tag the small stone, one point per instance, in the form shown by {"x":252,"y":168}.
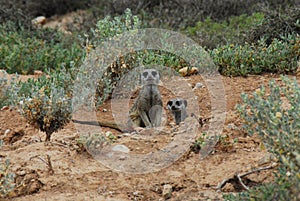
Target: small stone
{"x":38,"y":72}
{"x":108,"y":133}
{"x":5,"y":108}
{"x":21,"y":172}
{"x":136,"y":193}
{"x":122,"y":158}
{"x":6,"y":132}
{"x":126,"y":135}
{"x":186,"y":71}
{"x":167,"y":191}
{"x":38,"y":21}
{"x":198,"y":85}
{"x":104,"y":110}
{"x":232,"y":126}
{"x":121,"y":148}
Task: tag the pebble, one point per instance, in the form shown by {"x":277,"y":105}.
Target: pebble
{"x":38,"y":21}
{"x":167,"y":191}
{"x":198,"y":85}
{"x":6,"y":132}
{"x":5,"y":108}
{"x":121,"y":148}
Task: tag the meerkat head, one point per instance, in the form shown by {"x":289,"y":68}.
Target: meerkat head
{"x":177,"y":104}
{"x":150,"y":76}
{"x":178,"y":107}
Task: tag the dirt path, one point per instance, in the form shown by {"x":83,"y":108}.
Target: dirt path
{"x":78,"y":176}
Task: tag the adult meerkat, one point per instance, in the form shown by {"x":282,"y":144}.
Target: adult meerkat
{"x":178,"y":108}
{"x":147,"y":108}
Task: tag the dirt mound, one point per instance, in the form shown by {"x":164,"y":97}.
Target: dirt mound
{"x":59,"y":170}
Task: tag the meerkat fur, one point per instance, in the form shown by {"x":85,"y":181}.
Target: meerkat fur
{"x":147,"y":108}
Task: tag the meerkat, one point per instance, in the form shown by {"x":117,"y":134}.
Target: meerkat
{"x":178,"y":108}
{"x":147,"y":108}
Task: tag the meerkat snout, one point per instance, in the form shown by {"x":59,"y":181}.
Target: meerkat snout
{"x":178,"y":108}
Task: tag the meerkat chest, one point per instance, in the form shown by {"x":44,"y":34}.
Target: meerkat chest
{"x":150,"y":96}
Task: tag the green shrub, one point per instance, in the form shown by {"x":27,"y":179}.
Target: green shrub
{"x":275,"y":118}
{"x":33,"y":8}
{"x":46,"y":102}
{"x":23,"y":54}
{"x":7,"y":178}
{"x":212,"y":34}
{"x":276,"y":23}
{"x":280,"y":56}
{"x":4,"y":94}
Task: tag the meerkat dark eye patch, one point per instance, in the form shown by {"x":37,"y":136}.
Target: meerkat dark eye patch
{"x":170,"y":103}
{"x":178,"y":103}
{"x":145,"y":74}
{"x":154,"y":73}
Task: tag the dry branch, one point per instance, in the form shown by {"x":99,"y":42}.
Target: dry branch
{"x":238,"y":177}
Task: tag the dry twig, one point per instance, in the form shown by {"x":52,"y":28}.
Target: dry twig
{"x":48,"y":162}
{"x":238,"y":177}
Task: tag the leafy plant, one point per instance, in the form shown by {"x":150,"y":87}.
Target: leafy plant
{"x":8,"y":90}
{"x":276,"y":23}
{"x":7,"y":178}
{"x":275,"y":118}
{"x":94,"y":142}
{"x":234,"y":30}
{"x":199,"y":142}
{"x":279,"y":57}
{"x":46,"y":102}
{"x":24,"y":51}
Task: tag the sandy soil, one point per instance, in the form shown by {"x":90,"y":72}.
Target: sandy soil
{"x":77,"y":175}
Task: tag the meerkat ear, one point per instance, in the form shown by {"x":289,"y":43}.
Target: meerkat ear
{"x":185,"y":103}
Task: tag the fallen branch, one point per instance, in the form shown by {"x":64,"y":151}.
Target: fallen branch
{"x":238,"y":177}
{"x":109,"y":124}
{"x":241,"y":182}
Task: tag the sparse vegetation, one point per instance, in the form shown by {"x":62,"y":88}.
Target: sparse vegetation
{"x":280,"y":56}
{"x":255,"y":37}
{"x":275,"y":118}
{"x":46,"y":102}
{"x":45,"y":50}
{"x":7,"y":178}
{"x":211,"y":34}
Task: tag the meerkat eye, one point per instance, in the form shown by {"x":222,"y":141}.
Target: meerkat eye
{"x":145,"y":74}
{"x":154,"y":73}
{"x":178,"y":103}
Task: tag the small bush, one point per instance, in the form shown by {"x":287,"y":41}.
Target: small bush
{"x":276,"y":23}
{"x":46,"y":102}
{"x":4,"y":94}
{"x":7,"y":178}
{"x":275,"y":118}
{"x":212,"y":34}
{"x":280,"y":56}
{"x":33,"y":8}
{"x":23,"y":54}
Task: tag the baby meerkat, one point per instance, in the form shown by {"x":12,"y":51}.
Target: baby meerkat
{"x":147,"y":108}
{"x":178,"y":108}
